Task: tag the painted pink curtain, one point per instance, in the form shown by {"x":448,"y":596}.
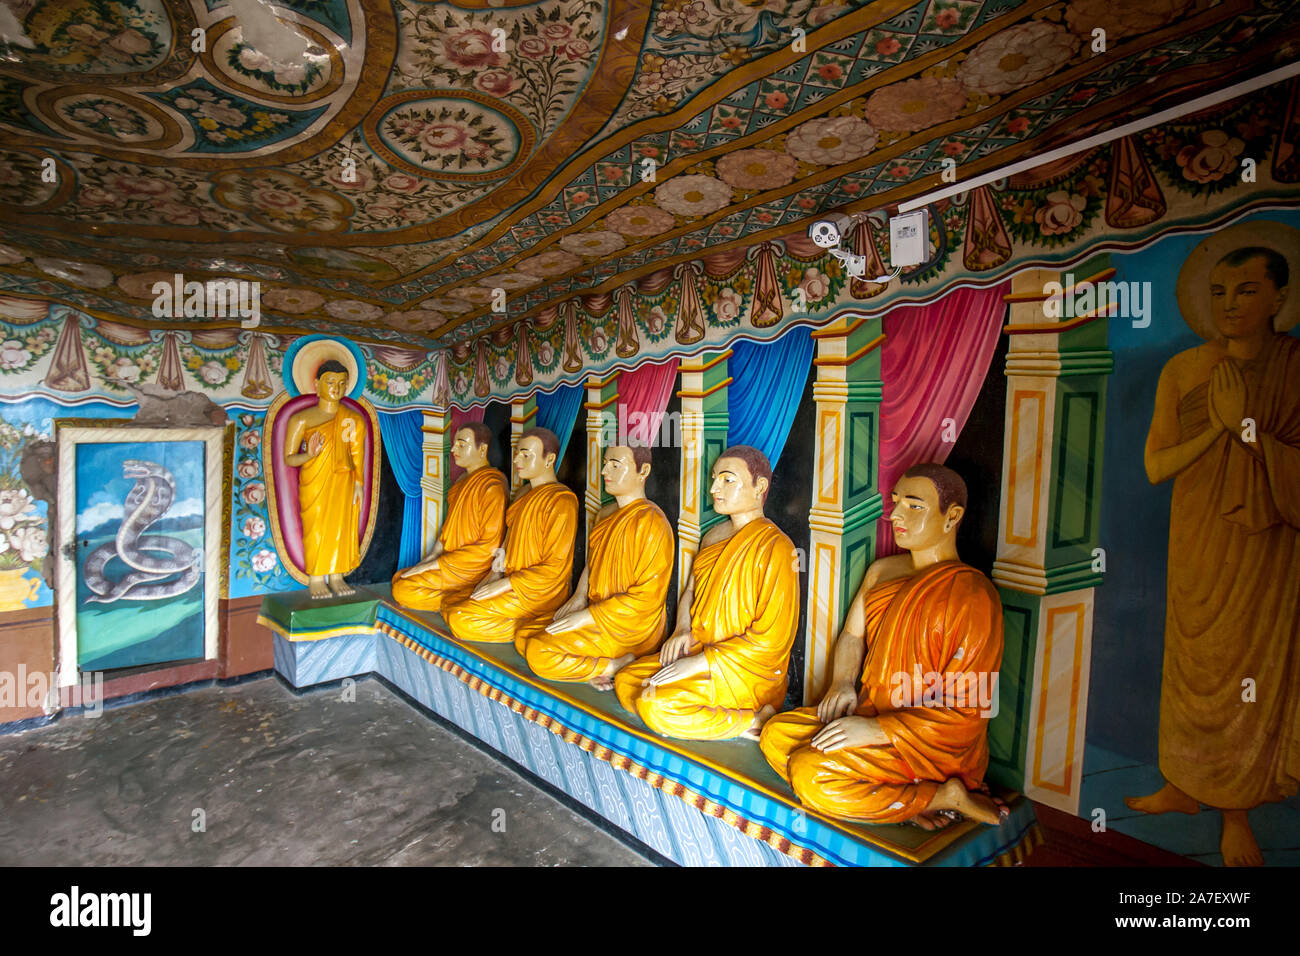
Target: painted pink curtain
{"x":932,"y":365}
{"x":459,"y":420}
{"x":647,"y":390}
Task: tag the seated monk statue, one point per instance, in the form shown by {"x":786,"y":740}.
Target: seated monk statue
{"x":471,"y":532}
{"x":725,"y":669}
{"x":540,"y":528}
{"x":618,"y":611}
{"x":893,"y":753}
{"x":331,"y":479}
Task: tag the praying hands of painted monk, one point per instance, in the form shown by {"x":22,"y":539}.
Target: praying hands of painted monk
{"x":925,"y":631}
{"x":540,"y":528}
{"x":725,"y":670}
{"x":326,"y":443}
{"x":619,"y":608}
{"x":471,"y":533}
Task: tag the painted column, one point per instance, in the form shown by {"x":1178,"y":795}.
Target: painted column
{"x":846,"y":501}
{"x":602,"y":429}
{"x":704,"y":437}
{"x":523,"y":415}
{"x":435,"y":482}
{"x":1049,"y":560}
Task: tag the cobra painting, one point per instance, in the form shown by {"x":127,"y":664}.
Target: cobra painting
{"x":147,"y":502}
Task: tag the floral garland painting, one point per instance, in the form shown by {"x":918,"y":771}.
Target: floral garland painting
{"x":255,"y":568}
{"x":24,"y":532}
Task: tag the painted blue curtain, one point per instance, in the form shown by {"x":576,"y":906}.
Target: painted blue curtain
{"x":403,"y":443}
{"x":768,"y":379}
{"x":558,"y":411}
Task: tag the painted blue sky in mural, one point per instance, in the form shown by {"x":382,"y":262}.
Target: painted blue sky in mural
{"x":102,"y":489}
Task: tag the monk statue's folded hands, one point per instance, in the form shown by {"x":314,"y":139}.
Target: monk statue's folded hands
{"x":430,"y":565}
{"x":490,"y":589}
{"x":849,"y":732}
{"x":680,"y":669}
{"x":840,"y":701}
{"x":571,"y":621}
{"x":676,"y":647}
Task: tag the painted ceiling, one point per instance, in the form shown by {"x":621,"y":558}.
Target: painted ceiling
{"x":380,"y":167}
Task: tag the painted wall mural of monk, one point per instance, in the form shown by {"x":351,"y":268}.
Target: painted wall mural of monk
{"x":1226,"y":431}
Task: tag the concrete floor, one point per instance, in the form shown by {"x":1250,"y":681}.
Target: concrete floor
{"x":282,"y":780}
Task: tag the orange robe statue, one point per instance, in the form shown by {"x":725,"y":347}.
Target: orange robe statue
{"x":541,"y":524}
{"x":470,"y":535}
{"x":744,"y":614}
{"x":328,"y":503}
{"x":630,"y":560}
{"x":944,"y":619}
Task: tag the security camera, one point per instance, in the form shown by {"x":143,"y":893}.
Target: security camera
{"x":828,"y":233}
{"x":824,"y":234}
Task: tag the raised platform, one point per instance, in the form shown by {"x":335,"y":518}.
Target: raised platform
{"x":697,"y":803}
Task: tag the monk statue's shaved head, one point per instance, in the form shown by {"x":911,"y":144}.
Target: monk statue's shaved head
{"x":949,"y":484}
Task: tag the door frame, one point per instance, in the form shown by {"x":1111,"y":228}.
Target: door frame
{"x":71,"y":433}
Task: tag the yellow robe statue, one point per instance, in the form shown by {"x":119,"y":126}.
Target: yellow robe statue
{"x":629,"y":562}
{"x":944,"y":619}
{"x":541,"y":524}
{"x":1233,"y":598}
{"x":744,"y":613}
{"x":327,"y":500}
{"x":471,"y":533}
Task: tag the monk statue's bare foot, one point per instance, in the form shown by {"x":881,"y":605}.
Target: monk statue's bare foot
{"x":934,"y":819}
{"x":605,"y":680}
{"x":1168,"y":798}
{"x":340,"y":587}
{"x":318,"y":588}
{"x":1238,"y":844}
{"x":977,"y":806}
{"x":760,"y":718}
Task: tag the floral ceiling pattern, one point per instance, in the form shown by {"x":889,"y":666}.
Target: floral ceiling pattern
{"x":410,"y":159}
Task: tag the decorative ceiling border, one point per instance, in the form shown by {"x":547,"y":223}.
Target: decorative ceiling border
{"x":1088,"y":119}
{"x":1147,"y":185}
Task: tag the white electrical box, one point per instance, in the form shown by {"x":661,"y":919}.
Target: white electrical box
{"x":909,"y":239}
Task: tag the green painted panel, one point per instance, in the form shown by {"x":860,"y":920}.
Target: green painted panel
{"x":1075,"y":482}
{"x":861,"y":453}
{"x":1008,"y":731}
{"x":857,"y":555}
